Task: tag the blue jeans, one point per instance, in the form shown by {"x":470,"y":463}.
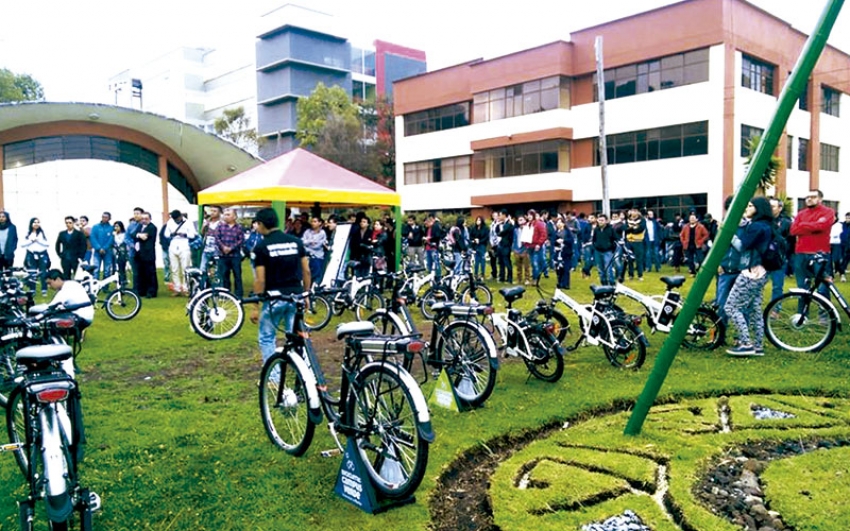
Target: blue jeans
{"x":538,"y":265}
{"x":432,"y":262}
{"x":725,"y":281}
{"x":39,"y":262}
{"x":586,"y":258}
{"x":605,"y":265}
{"x":317,"y":267}
{"x":801,"y":273}
{"x":271,"y":315}
{"x":777,"y":283}
{"x":98,"y":259}
{"x":231,"y":263}
{"x":653,"y":255}
{"x":480,"y":260}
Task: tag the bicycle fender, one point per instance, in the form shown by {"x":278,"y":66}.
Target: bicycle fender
{"x":420,"y":406}
{"x":397,"y":321}
{"x":492,"y":350}
{"x":315,"y":403}
{"x":833,"y":311}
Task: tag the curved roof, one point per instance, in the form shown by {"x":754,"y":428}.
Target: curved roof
{"x":203,"y":158}
{"x":299,"y":178}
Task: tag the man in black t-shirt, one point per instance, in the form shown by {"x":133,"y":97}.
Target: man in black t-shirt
{"x":281,"y":264}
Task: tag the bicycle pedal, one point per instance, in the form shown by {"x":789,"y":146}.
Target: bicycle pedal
{"x":94,"y":502}
{"x":330,"y":453}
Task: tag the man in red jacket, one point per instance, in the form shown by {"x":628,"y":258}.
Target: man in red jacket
{"x":811,"y":227}
{"x":538,"y":241}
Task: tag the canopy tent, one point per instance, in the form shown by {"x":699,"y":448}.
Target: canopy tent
{"x":302,"y":179}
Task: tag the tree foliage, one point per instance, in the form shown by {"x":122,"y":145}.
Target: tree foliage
{"x":768,"y":178}
{"x":357,"y":136}
{"x":235,"y":125}
{"x":19,"y":87}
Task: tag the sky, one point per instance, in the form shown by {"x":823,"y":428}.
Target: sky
{"x":73,"y":47}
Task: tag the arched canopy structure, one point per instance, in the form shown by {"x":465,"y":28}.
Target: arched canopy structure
{"x":299,"y":178}
{"x":180,"y":154}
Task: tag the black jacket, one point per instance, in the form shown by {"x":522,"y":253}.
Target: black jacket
{"x":146,"y":249}
{"x":71,"y":247}
{"x":507,"y":235}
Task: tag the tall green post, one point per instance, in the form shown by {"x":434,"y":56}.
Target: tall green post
{"x":280,"y":208}
{"x":787,"y":100}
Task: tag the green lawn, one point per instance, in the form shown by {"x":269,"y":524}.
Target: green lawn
{"x":175,"y":440}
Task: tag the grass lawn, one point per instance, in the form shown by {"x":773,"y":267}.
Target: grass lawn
{"x":175,"y":440}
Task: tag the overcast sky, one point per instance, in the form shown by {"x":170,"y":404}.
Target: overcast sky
{"x":74,"y":47}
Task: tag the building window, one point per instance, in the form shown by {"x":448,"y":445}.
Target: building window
{"x":664,"y":207}
{"x":757,"y":75}
{"x":435,"y":171}
{"x":518,"y":100}
{"x":667,"y":72}
{"x":674,"y":141}
{"x":747,"y":134}
{"x":362,"y":91}
{"x":803,"y":102}
{"x":523,"y":159}
{"x":438,"y":119}
{"x":829,"y":101}
{"x":803,"y":155}
{"x":829,"y":157}
{"x":789,"y":155}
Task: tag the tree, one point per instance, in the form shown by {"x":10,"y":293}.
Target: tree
{"x":315,"y":110}
{"x":235,"y":125}
{"x":768,"y":178}
{"x":19,"y":87}
{"x":380,"y":121}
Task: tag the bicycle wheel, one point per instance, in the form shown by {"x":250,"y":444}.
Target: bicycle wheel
{"x":628,"y":351}
{"x":798,"y":322}
{"x":284,"y":406}
{"x":706,"y":332}
{"x":382,"y":412}
{"x":16,"y":427}
{"x":434,"y":295}
{"x":318,"y":314}
{"x":545,"y":361}
{"x":466,"y":357}
{"x":367,"y":302}
{"x":384,"y":324}
{"x":562,"y":326}
{"x":217,"y":314}
{"x":477,"y":293}
{"x":8,"y":372}
{"x":123,"y":304}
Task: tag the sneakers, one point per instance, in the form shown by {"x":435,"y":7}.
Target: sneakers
{"x":742,"y":350}
{"x":758,"y":351}
{"x":843,"y":278}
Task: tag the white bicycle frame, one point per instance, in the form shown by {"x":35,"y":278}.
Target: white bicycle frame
{"x":417,"y":282}
{"x":92,"y":284}
{"x":588,"y":315}
{"x":501,"y":324}
{"x":654,"y":305}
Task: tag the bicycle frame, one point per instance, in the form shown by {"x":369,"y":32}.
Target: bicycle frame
{"x":589,"y":316}
{"x":502,"y":324}
{"x":660,"y":312}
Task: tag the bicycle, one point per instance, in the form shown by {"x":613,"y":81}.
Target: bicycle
{"x":197,"y":280}
{"x":462,"y":347}
{"x":621,"y":339}
{"x":121,"y":304}
{"x":356,"y":293}
{"x":464,"y":287}
{"x":523,"y":336}
{"x":45,"y":429}
{"x":803,"y":320}
{"x":379,"y":404}
{"x":707,"y":331}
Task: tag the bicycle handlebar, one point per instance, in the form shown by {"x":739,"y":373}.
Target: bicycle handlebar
{"x":276,"y":295}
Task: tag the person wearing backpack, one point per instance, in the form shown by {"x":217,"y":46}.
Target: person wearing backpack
{"x":745,"y":299}
{"x":782,"y":228}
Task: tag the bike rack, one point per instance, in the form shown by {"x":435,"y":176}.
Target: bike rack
{"x":354,"y":486}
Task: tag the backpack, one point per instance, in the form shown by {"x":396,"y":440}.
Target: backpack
{"x":774,"y":256}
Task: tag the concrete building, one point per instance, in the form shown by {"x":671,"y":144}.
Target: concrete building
{"x":686,"y":85}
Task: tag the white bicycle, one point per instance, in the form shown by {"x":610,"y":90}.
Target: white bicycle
{"x":120,"y":303}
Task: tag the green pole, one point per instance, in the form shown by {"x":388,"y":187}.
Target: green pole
{"x":399,"y":226}
{"x":790,"y":94}
{"x":280,"y":208}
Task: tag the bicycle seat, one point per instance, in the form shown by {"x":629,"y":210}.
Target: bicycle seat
{"x":88,"y":267}
{"x":442,"y":306}
{"x":415,"y":268}
{"x":356,"y":328}
{"x":193,"y":271}
{"x":673,"y":282}
{"x":353,"y":264}
{"x":602,"y":291}
{"x":449,"y":263}
{"x":36,"y":309}
{"x":513,"y":293}
{"x":38,"y":353}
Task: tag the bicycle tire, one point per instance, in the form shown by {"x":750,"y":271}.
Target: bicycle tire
{"x":123,"y":304}
{"x":16,"y":427}
{"x":8,"y":372}
{"x":545,"y":361}
{"x":217,"y":314}
{"x":284,"y":406}
{"x":367,"y":302}
{"x":464,"y":353}
{"x":629,"y":352}
{"x":789,"y":328}
{"x":706,"y":332}
{"x":381,"y":408}
{"x":434,"y":295}
{"x":562,"y":325}
{"x":318,"y":314}
{"x":477,"y":293}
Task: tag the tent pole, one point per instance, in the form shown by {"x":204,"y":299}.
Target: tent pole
{"x":399,"y":224}
{"x":280,"y":208}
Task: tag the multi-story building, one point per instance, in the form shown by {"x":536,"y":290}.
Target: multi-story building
{"x":686,"y":86}
{"x":303,"y":48}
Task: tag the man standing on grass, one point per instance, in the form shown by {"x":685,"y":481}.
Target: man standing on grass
{"x":229,"y":238}
{"x":281,"y":264}
{"x":811,"y":227}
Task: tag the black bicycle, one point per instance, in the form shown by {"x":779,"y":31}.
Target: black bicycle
{"x":379,"y":405}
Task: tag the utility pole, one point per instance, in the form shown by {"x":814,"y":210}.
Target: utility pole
{"x":603,"y":142}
